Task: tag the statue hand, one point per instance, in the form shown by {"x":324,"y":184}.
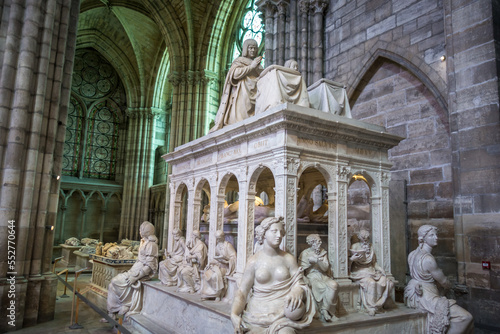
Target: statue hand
{"x":355,"y":256}
{"x":294,"y":299}
{"x":236,"y":320}
{"x":256,"y":62}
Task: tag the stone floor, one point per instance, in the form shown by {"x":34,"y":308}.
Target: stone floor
{"x":87,"y":317}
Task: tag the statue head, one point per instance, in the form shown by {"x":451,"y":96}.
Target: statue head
{"x":260,"y":231}
{"x":292,"y":63}
{"x":363,"y":235}
{"x":250,"y":48}
{"x":196,"y":234}
{"x":314,"y":241}
{"x":220,"y":236}
{"x":424,"y":231}
{"x":147,"y":229}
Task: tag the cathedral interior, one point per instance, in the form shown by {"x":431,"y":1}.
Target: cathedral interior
{"x":94,"y":92}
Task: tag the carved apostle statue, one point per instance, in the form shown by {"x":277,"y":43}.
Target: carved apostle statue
{"x":314,"y":261}
{"x":167,"y":272}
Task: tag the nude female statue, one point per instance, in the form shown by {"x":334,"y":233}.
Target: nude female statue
{"x":280,"y":301}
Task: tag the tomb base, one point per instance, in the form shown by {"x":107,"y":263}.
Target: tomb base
{"x":103,"y":270}
{"x":69,"y":258}
{"x":167,"y":311}
{"x":83,"y":261}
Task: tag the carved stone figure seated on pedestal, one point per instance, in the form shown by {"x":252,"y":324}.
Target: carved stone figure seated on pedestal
{"x":375,"y":287}
{"x":314,"y":261}
{"x":195,"y":259}
{"x":445,"y":316}
{"x":280,"y":301}
{"x":214,"y":282}
{"x":125,"y":289}
{"x":167,"y":272}
{"x":240,"y":87}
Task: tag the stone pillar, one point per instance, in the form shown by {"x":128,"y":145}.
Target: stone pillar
{"x":83,"y":220}
{"x":246,"y":232}
{"x":268,"y":9}
{"x":138,"y":171}
{"x":304,"y":32}
{"x":35,"y":80}
{"x":293,"y":30}
{"x":168,"y":223}
{"x":103,"y":220}
{"x":62,"y":220}
{"x":281,"y":11}
{"x":318,"y":8}
{"x":472,"y":70}
{"x":337,"y":223}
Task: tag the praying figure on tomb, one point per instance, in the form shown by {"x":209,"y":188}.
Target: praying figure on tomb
{"x":214,"y":281}
{"x":167,"y":272}
{"x":314,"y":261}
{"x":195,"y":258}
{"x":445,"y":316}
{"x":374,"y":286}
{"x":125,"y":289}
{"x":272,"y":296}
{"x":240,"y":87}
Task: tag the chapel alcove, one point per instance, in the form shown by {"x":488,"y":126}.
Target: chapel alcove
{"x":358,"y":207}
{"x":312,"y":207}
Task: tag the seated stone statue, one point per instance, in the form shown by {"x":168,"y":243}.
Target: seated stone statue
{"x":167,"y":272}
{"x":240,"y":87}
{"x":314,"y":261}
{"x":125,"y":289}
{"x":214,"y":282}
{"x":445,"y":316}
{"x":375,"y":288}
{"x":280,"y":301}
{"x":195,"y":258}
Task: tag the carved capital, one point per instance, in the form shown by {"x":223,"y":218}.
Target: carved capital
{"x":174,"y":78}
{"x":318,"y":6}
{"x":303,"y":6}
{"x":266,"y":7}
{"x":343,"y":173}
{"x":282,"y":6}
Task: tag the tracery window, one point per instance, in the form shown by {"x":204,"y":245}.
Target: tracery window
{"x":251,"y":26}
{"x":97,"y":99}
{"x":73,"y":140}
{"x":102,"y":141}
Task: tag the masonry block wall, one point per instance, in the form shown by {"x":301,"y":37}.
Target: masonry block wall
{"x":388,"y":54}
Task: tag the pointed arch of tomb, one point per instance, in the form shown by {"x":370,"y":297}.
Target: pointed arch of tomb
{"x":408,"y":60}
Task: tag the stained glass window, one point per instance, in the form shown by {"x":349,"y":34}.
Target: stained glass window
{"x":251,"y":26}
{"x":102,"y":141}
{"x":72,"y":142}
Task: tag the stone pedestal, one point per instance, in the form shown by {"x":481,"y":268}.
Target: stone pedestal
{"x":69,"y":260}
{"x":167,"y":311}
{"x":104,"y":269}
{"x":83,"y":261}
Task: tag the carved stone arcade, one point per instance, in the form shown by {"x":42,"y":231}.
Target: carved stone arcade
{"x":276,"y":147}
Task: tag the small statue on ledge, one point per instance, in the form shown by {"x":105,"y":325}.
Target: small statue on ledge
{"x":195,"y":258}
{"x":125,"y":289}
{"x":314,"y":261}
{"x":375,"y":288}
{"x":167,"y":272}
{"x":445,"y":316}
{"x":214,"y":281}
